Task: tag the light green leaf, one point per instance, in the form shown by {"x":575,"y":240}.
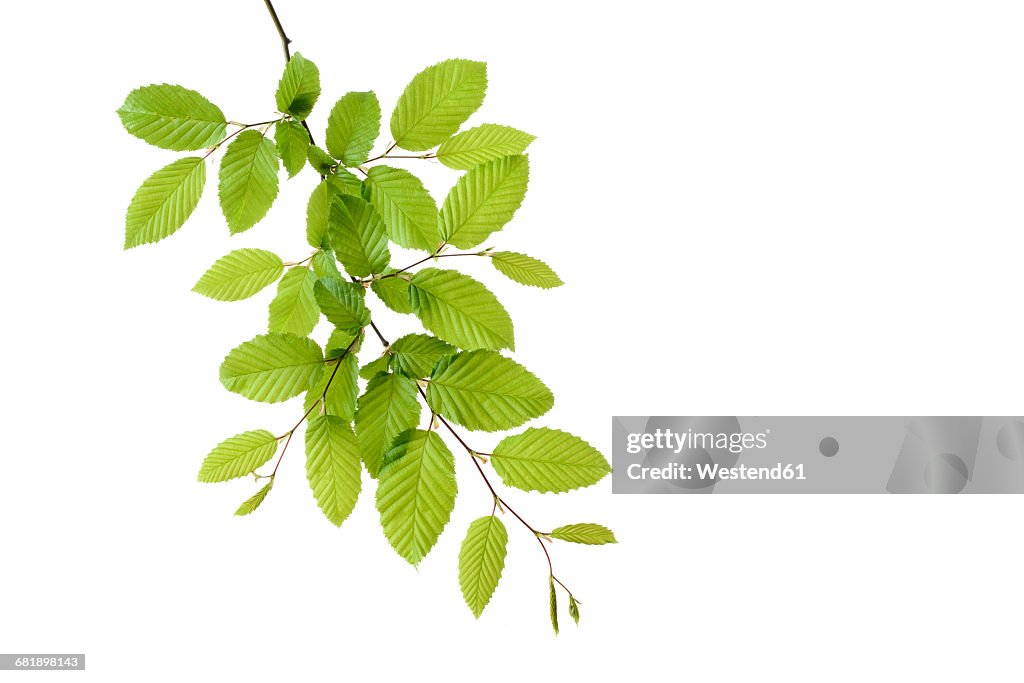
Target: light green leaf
{"x":587,"y":534}
{"x":574,"y":610}
{"x":437,"y":101}
{"x":548,"y":460}
{"x":408,"y":210}
{"x":481,"y":144}
{"x":357,"y":234}
{"x":238,"y":455}
{"x":343,"y":182}
{"x":332,"y":466}
{"x":415,"y":355}
{"x":352,"y":127}
{"x":340,"y":397}
{"x":553,"y":603}
{"x":525,"y":269}
{"x":460,"y":310}
{"x":299,"y":87}
{"x":164,"y":201}
{"x":240,"y":274}
{"x":341,"y":342}
{"x":172,"y":117}
{"x":481,"y":561}
{"x":272,"y":367}
{"x":318,"y":212}
{"x":394,"y":292}
{"x":374,"y":367}
{"x":483,"y":390}
{"x":484,"y":200}
{"x":294,"y":308}
{"x":250,"y":505}
{"x":387,"y":408}
{"x":292,"y":144}
{"x":248,"y":180}
{"x":321,"y":161}
{"x":416,"y":493}
{"x":324,"y":264}
{"x":341,"y":304}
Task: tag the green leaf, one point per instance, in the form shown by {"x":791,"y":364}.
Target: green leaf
{"x":548,"y":460}
{"x":250,"y":505}
{"x":299,"y":87}
{"x":332,"y":466}
{"x":340,"y":398}
{"x":408,"y":210}
{"x":248,"y":180}
{"x":481,"y":144}
{"x":574,"y":610}
{"x":164,"y":201}
{"x":318,"y":212}
{"x":483,"y":390}
{"x":321,"y":161}
{"x":272,"y":367}
{"x":324,"y":264}
{"x":415,"y":355}
{"x":484,"y":200}
{"x":341,"y":342}
{"x":238,"y":455}
{"x":357,"y":234}
{"x":587,"y":534}
{"x":387,"y":408}
{"x":341,"y":304}
{"x":481,"y":561}
{"x":553,"y":603}
{"x":393,"y":292}
{"x":374,"y":367}
{"x":353,"y":125}
{"x":294,"y":308}
{"x":240,"y":274}
{"x":172,"y":117}
{"x":343,"y":182}
{"x":416,"y":493}
{"x":292,"y":144}
{"x":460,"y":310}
{"x":525,"y":269}
{"x":437,"y":101}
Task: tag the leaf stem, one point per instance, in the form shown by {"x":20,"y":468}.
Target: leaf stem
{"x":241,"y":127}
{"x":435,"y":255}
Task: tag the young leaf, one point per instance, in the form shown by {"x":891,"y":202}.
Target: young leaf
{"x":357,"y":233}
{"x":238,"y":455}
{"x":250,"y":505}
{"x":481,"y":561}
{"x":164,"y":201}
{"x":340,"y":343}
{"x":172,"y":117}
{"x":394,"y":292}
{"x":294,"y":308}
{"x":248,"y":180}
{"x":324,"y":264}
{"x":525,"y":269}
{"x":374,"y":367}
{"x":588,"y":534}
{"x":353,"y":125}
{"x":548,"y":460}
{"x":574,"y":610}
{"x":318,"y":212}
{"x":240,"y":274}
{"x":292,"y":144}
{"x":437,"y":101}
{"x":408,"y":210}
{"x":343,"y":182}
{"x":299,"y":87}
{"x":272,"y":367}
{"x":460,"y":310}
{"x":481,"y":144}
{"x":332,"y":466}
{"x":483,"y":390}
{"x":416,"y":493}
{"x":341,"y":304}
{"x":415,"y":355}
{"x":387,"y":409}
{"x":553,"y":603}
{"x":484,"y":200}
{"x":321,"y":161}
{"x":340,"y":398}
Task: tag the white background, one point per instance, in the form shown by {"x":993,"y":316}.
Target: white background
{"x":758,"y":208}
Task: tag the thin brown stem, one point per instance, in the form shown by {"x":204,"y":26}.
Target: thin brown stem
{"x":241,"y":127}
{"x":424,"y":260}
{"x":285,"y":40}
